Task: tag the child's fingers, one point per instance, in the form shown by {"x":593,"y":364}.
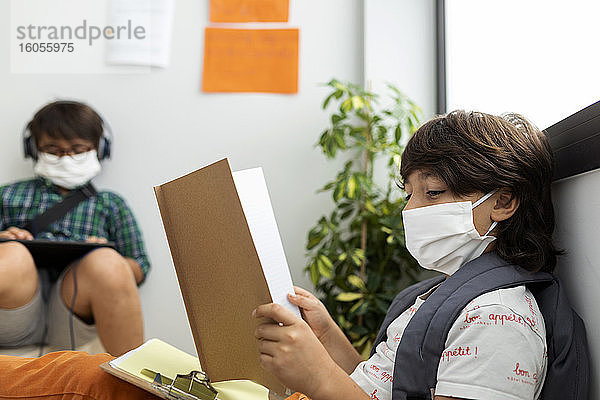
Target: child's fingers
{"x":267,"y":347}
{"x":306,"y":303}
{"x":276,"y":312}
{"x":270,"y":332}
{"x":7,"y":235}
{"x":302,"y":292}
{"x":96,"y":239}
{"x":16,"y":232}
{"x":19,"y":233}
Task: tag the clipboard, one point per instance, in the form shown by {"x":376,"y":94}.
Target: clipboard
{"x":152,"y":365}
{"x":185,"y":387}
{"x":163,"y":391}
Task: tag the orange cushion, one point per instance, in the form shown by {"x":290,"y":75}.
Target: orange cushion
{"x":63,"y":375}
{"x":298,"y":396}
{"x":68,"y":375}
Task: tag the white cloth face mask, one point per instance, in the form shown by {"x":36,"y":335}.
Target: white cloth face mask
{"x":442,"y":237}
{"x":68,"y":172}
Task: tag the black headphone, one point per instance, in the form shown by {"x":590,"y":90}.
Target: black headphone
{"x":30,"y":148}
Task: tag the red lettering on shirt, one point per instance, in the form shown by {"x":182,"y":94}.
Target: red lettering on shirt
{"x":459,"y":351}
{"x":522,"y":376}
{"x":385,"y":377}
{"x":530,"y":303}
{"x":520,"y":372}
{"x":374,"y":395}
{"x":501,"y":318}
{"x":468,"y":319}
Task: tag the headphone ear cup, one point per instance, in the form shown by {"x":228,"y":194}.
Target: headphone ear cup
{"x":29,"y":148}
{"x":104,"y":148}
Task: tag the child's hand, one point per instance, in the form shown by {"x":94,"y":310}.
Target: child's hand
{"x":16,"y":233}
{"x":96,"y":239}
{"x":289,"y":349}
{"x":313,"y":312}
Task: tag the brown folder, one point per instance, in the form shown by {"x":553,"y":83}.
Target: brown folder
{"x":219,"y":272}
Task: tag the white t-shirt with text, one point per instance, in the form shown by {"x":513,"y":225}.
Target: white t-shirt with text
{"x":496,"y":349}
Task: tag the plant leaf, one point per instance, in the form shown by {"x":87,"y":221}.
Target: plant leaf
{"x":358,"y":304}
{"x":339,"y":191}
{"x":327,"y":99}
{"x":346,"y":105}
{"x":348,"y":296}
{"x":357,"y":281}
{"x":314,"y":274}
{"x":357,"y":102}
{"x":335,"y":118}
{"x":351,"y":185}
{"x":324,"y":270}
{"x":398,"y":133}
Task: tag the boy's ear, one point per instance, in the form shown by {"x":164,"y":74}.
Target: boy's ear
{"x":506,"y":205}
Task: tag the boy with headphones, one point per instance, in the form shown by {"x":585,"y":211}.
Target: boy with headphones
{"x":96,"y":294}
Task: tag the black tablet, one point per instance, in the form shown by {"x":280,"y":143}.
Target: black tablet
{"x":55,"y":255}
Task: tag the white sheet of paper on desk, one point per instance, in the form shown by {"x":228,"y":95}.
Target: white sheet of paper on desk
{"x":156,"y":17}
{"x":254,"y":196}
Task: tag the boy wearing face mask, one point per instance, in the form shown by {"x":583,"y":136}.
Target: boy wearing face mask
{"x":101,"y":287}
{"x":479,"y":206}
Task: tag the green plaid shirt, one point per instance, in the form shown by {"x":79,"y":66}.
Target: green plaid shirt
{"x":105,"y":215}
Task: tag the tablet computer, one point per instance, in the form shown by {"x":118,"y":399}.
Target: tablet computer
{"x":55,"y":255}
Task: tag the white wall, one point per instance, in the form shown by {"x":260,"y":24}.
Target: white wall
{"x":577,"y":207}
{"x":164,"y":127}
{"x":400,"y":49}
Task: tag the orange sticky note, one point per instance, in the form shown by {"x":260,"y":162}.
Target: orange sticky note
{"x":249,"y":10}
{"x":250,"y":60}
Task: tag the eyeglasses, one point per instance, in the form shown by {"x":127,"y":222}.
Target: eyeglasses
{"x":60,"y":152}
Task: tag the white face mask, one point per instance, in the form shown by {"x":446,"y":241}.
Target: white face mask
{"x":68,"y":172}
{"x":443,"y":237}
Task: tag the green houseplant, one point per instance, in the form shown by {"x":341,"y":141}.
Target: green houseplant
{"x":357,"y":256}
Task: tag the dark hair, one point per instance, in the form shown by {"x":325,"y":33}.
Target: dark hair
{"x":476,"y":152}
{"x":67,"y":120}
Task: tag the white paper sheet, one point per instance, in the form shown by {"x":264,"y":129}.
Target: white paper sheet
{"x":254,"y":196}
{"x":156,"y":17}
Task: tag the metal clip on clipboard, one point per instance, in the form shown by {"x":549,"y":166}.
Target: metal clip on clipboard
{"x":193,"y":386}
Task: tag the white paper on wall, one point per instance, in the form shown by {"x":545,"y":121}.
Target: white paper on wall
{"x":156,"y":19}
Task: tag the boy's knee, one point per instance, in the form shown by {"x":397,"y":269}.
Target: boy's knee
{"x":14,"y":255}
{"x":108,"y":270}
{"x":19,"y":275}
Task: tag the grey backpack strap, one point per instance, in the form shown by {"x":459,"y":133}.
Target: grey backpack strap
{"x":423,"y":341}
{"x":568,"y":374}
{"x":402,"y":301}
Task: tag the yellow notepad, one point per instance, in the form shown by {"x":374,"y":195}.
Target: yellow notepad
{"x":169,"y":361}
{"x":158,"y":356}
